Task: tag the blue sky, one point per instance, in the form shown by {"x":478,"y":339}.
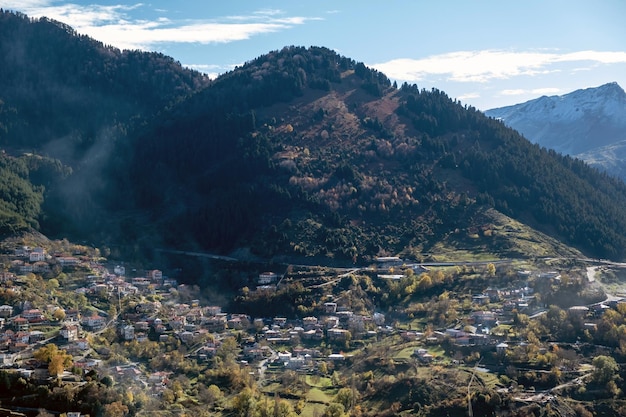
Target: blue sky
{"x":486,"y":53}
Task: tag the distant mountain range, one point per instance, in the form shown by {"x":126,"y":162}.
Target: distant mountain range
{"x":589,"y":124}
{"x":300,"y":154}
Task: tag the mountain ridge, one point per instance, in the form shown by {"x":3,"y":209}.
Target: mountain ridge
{"x":436,"y":162}
{"x":577,"y":123}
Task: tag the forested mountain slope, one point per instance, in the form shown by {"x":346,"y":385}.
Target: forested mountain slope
{"x":298,"y":153}
{"x":305,"y":152}
{"x":59,"y":90}
{"x":69,"y":97}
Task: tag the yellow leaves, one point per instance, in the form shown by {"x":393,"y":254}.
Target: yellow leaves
{"x":57,"y":359}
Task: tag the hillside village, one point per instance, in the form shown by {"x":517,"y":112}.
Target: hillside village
{"x":114,"y":307}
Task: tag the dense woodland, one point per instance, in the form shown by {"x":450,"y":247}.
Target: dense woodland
{"x":256,"y":157}
{"x":299,"y":153}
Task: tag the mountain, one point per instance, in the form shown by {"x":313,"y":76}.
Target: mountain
{"x":62,"y":92}
{"x":589,"y":124}
{"x":69,"y":98}
{"x":303,"y":152}
{"x":299,"y":154}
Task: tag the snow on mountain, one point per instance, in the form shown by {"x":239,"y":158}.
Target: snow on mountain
{"x":578,"y":123}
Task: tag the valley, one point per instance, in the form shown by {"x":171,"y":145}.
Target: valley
{"x":298,"y":236}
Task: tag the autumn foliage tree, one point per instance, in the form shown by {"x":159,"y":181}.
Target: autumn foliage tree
{"x":57,"y":359}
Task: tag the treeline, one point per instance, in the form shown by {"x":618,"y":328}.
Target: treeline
{"x":205,"y":169}
{"x":557,"y":194}
{"x":22,"y":190}
{"x":60,"y":84}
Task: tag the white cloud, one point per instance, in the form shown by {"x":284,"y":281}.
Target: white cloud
{"x":23,"y":4}
{"x":146,"y":35}
{"x":487,"y":65}
{"x":113,"y":24}
{"x":545,"y":91}
{"x":468,"y":96}
{"x":515,"y":92}
{"x":534,"y":91}
{"x":211,"y":70}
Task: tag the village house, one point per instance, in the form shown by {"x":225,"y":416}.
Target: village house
{"x":128,"y":372}
{"x":501,"y":348}
{"x":410,"y":336}
{"x":344,"y":315}
{"x":423,"y":355}
{"x":336,"y":357}
{"x":156,"y":276}
{"x":388,"y":262}
{"x":88,"y":363}
{"x":72,"y":314}
{"x":379,"y":319}
{"x":6,"y":311}
{"x":169,"y":283}
{"x":158,"y":379}
{"x":141,"y":326}
{"x":481,"y":299}
{"x":127,"y":332}
{"x":212,"y":310}
{"x":206,"y":352}
{"x":21,"y":337}
{"x":280,"y":321}
{"x":266,"y":278}
{"x":69,"y":332}
{"x":239,"y":322}
{"x":194,"y":315}
{"x":484,"y":318}
{"x":215,"y":323}
{"x":141,"y":283}
{"x":17,"y":347}
{"x":309,"y":323}
{"x":37,"y":255}
{"x":36,"y":336}
{"x":41,"y":267}
{"x":186,"y":336}
{"x":177,"y":323}
{"x":21,"y":252}
{"x":93,"y":322}
{"x":81,"y":344}
{"x":493,"y":294}
{"x":330,"y":308}
{"x":337,"y":335}
{"x":331,"y":321}
{"x":68,"y":261}
{"x":296,"y":363}
{"x":20,"y":324}
{"x":578,"y":311}
{"x":33,"y":315}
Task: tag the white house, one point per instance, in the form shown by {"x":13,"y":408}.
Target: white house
{"x":266,"y":278}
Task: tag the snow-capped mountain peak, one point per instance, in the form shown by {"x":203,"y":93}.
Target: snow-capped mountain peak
{"x":573,"y":123}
